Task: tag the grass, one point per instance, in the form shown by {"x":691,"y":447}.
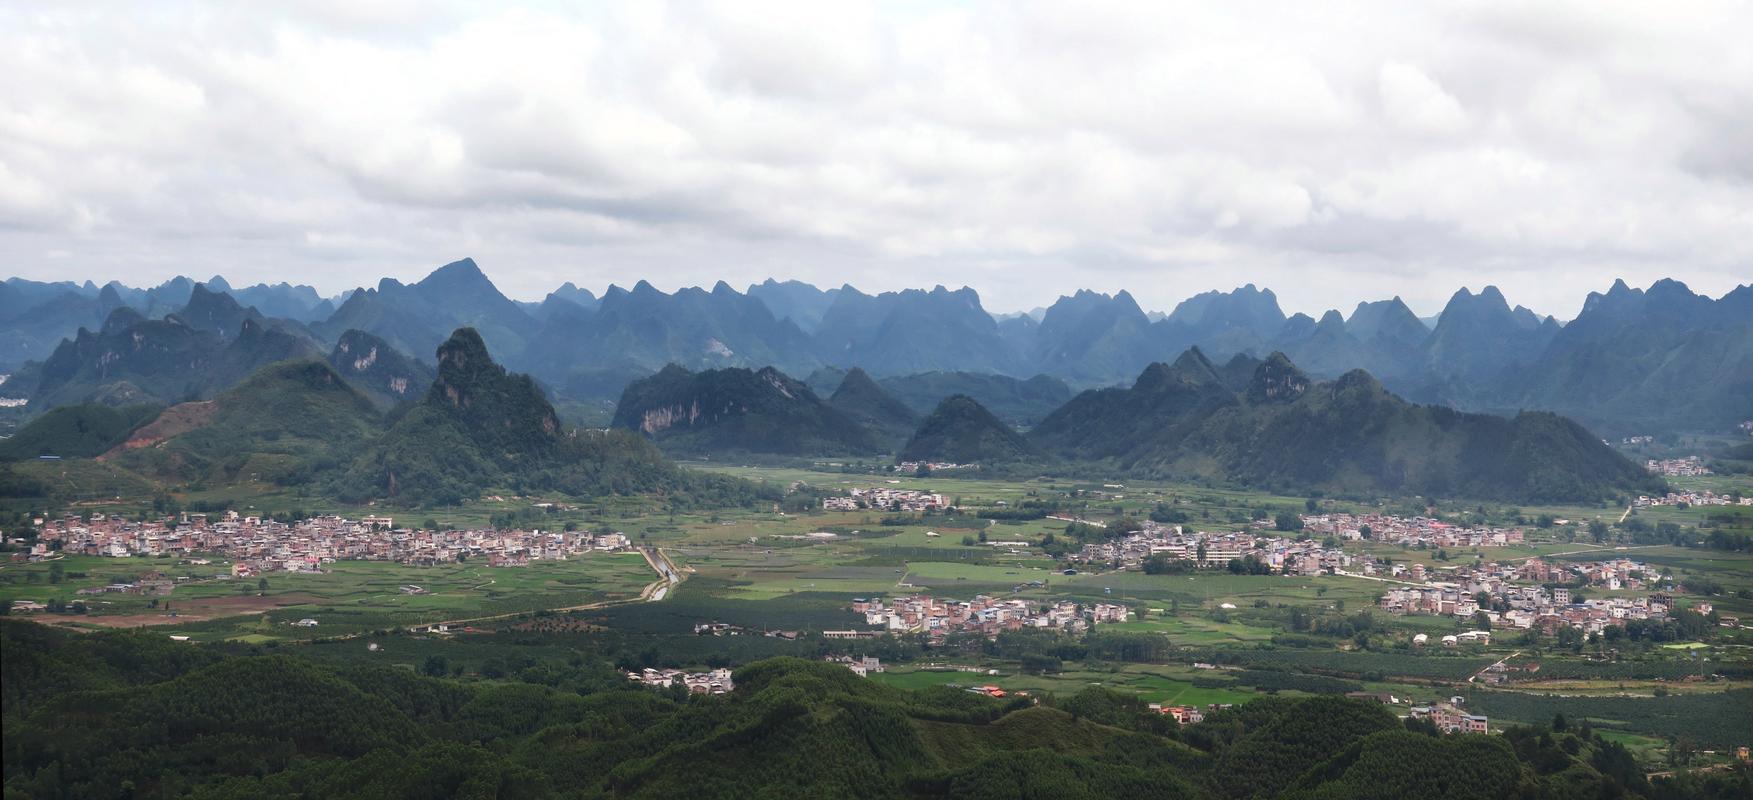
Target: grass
{"x":350,"y":597}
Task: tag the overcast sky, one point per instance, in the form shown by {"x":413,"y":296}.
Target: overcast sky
{"x":1330,"y":151}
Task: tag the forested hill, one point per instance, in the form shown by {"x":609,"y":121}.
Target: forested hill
{"x":137,"y":715}
{"x":962,"y":431}
{"x":1284,"y":431}
{"x":737,"y":410}
{"x":480,"y":426}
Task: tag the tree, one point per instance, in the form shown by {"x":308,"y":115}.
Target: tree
{"x":1200,"y":553}
{"x":57,"y":572}
{"x":262,"y":585}
{"x":1286,"y":521}
{"x":436,"y":666}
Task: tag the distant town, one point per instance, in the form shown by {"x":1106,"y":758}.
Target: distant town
{"x":1692,"y":498}
{"x":880,"y":499}
{"x":1677,"y":467}
{"x":982,"y":614}
{"x":259,"y":545}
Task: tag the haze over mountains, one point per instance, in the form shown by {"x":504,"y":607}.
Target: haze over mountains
{"x":1633,"y":361}
{"x":1215,"y":390}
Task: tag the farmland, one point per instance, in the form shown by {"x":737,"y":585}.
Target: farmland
{"x":777,"y":578}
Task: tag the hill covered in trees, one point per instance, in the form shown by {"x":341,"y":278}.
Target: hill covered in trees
{"x":76,"y":431}
{"x":302,"y":424}
{"x":480,"y":426}
{"x":736,"y":410}
{"x":384,"y":374}
{"x":1286,"y":431}
{"x":135,"y":714}
{"x":962,"y":431}
{"x":288,"y":424}
{"x":860,"y":397}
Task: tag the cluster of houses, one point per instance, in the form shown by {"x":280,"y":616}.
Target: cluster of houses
{"x":1188,"y":715}
{"x":1692,"y":498}
{"x":983,"y":614}
{"x":885,"y":499}
{"x":1513,"y":606}
{"x":1408,"y":531}
{"x":265,"y":545}
{"x":1612,"y":574}
{"x":911,"y":467}
{"x":1677,"y":467}
{"x":1450,"y":718}
{"x":710,"y":682}
{"x":862,"y":666}
{"x":1218,"y":549}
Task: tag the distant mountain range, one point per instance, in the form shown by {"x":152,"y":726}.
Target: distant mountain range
{"x":1633,"y":361}
{"x":302,"y":423}
{"x":477,"y":426}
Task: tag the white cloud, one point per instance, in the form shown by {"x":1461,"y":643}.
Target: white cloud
{"x":1415,"y":102}
{"x":1335,"y":152}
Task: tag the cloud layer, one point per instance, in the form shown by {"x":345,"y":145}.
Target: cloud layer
{"x":1335,"y":152}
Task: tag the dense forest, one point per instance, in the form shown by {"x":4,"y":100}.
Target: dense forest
{"x":136,"y":715}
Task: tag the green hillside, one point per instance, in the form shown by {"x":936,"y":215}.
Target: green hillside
{"x":738,"y":410}
{"x":77,"y":431}
{"x":386,"y":375}
{"x":1285,"y":432}
{"x":866,"y":403}
{"x":289,"y":423}
{"x":962,"y":431}
{"x":135,"y":714}
{"x":480,"y":426}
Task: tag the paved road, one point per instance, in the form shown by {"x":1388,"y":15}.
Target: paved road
{"x":1475,"y":676}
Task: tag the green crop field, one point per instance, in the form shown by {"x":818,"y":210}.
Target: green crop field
{"x":350,"y":597}
{"x":762,"y":571}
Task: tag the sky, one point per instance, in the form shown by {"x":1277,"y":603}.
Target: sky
{"x":1334,"y":152}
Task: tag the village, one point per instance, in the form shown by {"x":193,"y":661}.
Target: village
{"x":1408,"y":531}
{"x":717,"y":681}
{"x":258,"y":545}
{"x":1486,"y":592}
{"x":883,"y":499}
{"x":982,"y":614}
{"x":1678,"y":467}
{"x":1689,"y":497}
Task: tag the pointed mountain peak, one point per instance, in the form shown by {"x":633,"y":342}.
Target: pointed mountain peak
{"x":1191,"y":367}
{"x":456,"y":270}
{"x":962,"y":431}
{"x":218,"y":283}
{"x":859,"y":396}
{"x":1332,"y":321}
{"x":1668,"y":287}
{"x":1193,"y":362}
{"x":1277,"y":380}
{"x":857,"y":376}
